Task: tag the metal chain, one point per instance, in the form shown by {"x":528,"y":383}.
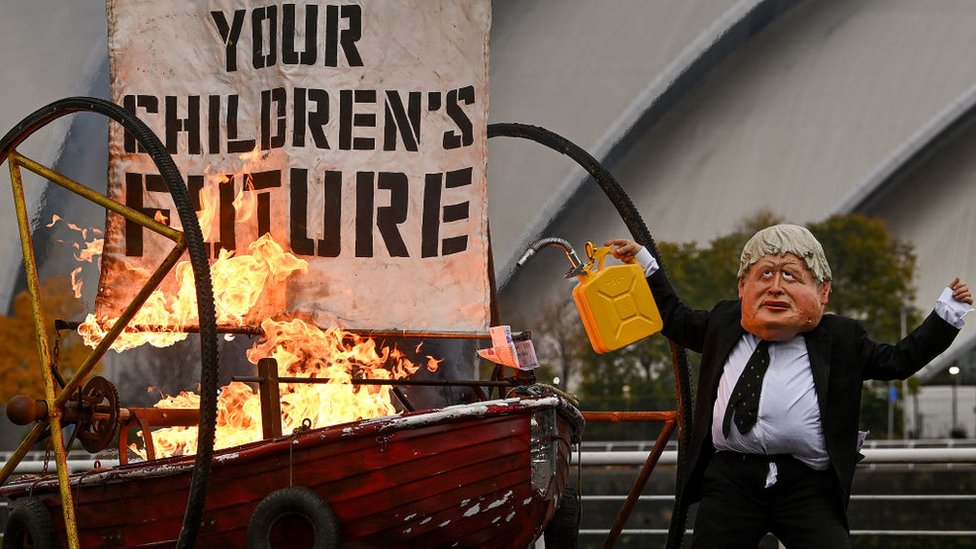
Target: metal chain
{"x":47,"y":458}
{"x":304,"y":427}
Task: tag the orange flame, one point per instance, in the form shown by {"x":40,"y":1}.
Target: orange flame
{"x":300,"y":349}
{"x":76,"y":283}
{"x":92,"y":247}
{"x":237,"y":281}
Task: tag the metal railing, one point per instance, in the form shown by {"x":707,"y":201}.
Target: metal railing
{"x":948,"y":452}
{"x":932,"y":452}
{"x":872,"y":456}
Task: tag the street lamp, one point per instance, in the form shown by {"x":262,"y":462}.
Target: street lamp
{"x":954,"y":372}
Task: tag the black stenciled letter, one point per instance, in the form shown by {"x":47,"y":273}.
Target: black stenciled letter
{"x":331,"y":244}
{"x":349,"y":118}
{"x":456,"y":212}
{"x":289,"y":32}
{"x":451,"y":139}
{"x":261,"y":181}
{"x":388,"y":217}
{"x":230,"y":34}
{"x":235,"y":145}
{"x":406,"y":120}
{"x":149,"y":104}
{"x":279,"y":97}
{"x":190,"y":124}
{"x":132,"y":231}
{"x":346,"y":38}
{"x":227,"y":240}
{"x":301,"y":244}
{"x":434,"y":215}
{"x":364,"y":214}
{"x":259,"y":58}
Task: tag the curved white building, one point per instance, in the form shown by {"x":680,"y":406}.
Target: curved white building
{"x":705,"y":111}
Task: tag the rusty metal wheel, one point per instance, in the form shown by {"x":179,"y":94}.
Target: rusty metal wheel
{"x":189,"y":240}
{"x":100,"y":414}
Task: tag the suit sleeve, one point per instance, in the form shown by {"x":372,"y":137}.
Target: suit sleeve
{"x":682,"y":324}
{"x":885,"y":362}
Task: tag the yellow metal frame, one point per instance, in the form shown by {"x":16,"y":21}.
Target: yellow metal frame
{"x":54,"y":399}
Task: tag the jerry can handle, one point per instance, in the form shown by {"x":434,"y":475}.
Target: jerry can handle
{"x":596,"y":255}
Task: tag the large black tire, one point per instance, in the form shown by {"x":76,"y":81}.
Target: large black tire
{"x":563,"y":530}
{"x":30,"y":525}
{"x":296,"y":501}
{"x":200,"y":264}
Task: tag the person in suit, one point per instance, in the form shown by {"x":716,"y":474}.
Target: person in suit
{"x":774,"y":439}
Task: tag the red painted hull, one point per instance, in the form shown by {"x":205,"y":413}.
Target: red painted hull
{"x":477,"y":475}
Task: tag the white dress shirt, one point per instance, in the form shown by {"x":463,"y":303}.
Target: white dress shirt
{"x":789,"y":415}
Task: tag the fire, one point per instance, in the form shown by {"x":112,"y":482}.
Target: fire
{"x":237,"y":280}
{"x":92,"y":247}
{"x":300,"y":349}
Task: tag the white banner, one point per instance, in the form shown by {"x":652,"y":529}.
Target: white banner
{"x":367,"y":127}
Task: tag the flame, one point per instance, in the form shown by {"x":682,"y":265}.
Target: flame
{"x":301,"y":349}
{"x":76,"y":283}
{"x":237,"y":282}
{"x":92,"y":247}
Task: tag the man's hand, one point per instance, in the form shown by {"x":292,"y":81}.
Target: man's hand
{"x":624,"y":249}
{"x":960,"y":291}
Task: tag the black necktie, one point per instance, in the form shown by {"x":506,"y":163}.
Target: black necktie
{"x":745,"y":396}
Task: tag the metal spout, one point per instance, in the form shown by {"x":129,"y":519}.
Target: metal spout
{"x":554,"y":241}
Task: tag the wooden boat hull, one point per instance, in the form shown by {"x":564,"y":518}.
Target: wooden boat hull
{"x":477,"y":475}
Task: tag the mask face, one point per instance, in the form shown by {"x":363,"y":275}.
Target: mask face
{"x":781,"y":298}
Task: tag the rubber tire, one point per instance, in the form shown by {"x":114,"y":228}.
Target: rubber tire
{"x":563,"y":530}
{"x":294,"y":500}
{"x":199,"y":262}
{"x":32,"y":519}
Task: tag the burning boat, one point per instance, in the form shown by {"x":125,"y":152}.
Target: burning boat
{"x":369,"y":206}
{"x":488,"y":473}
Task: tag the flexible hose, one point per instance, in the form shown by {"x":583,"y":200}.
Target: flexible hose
{"x":201,"y":273}
{"x":635,"y":224}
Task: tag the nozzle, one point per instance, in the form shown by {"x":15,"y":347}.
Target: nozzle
{"x":554,"y":241}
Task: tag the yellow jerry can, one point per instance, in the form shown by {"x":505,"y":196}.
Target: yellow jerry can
{"x":615,"y":303}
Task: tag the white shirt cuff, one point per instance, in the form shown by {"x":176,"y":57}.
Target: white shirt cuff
{"x":647,"y":261}
{"x":950,"y":309}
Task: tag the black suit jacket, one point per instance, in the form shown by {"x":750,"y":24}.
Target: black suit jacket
{"x":841,"y":357}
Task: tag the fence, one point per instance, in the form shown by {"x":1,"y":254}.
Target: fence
{"x":955,"y":459}
{"x":626,"y":457}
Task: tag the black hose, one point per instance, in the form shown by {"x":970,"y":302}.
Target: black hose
{"x":201,"y":272}
{"x":635,"y":224}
